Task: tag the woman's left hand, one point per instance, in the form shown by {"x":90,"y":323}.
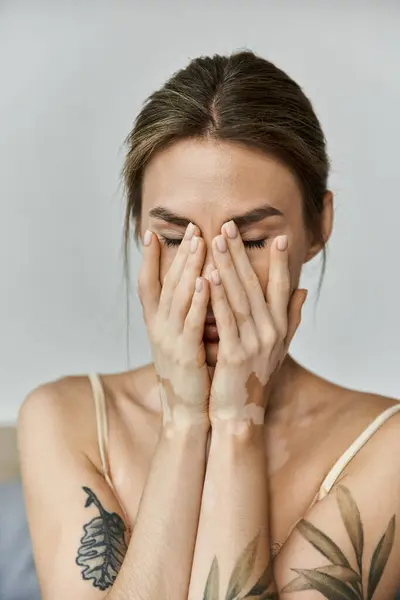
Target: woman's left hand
{"x":255,"y":329}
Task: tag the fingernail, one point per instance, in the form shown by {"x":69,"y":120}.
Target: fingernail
{"x":231,"y":229}
{"x":199,"y":284}
{"x":189,"y":232}
{"x":147,"y":238}
{"x":215,"y":276}
{"x":221,"y":243}
{"x":194,"y":242}
{"x":282,"y":242}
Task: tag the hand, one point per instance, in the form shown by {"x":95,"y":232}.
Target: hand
{"x":254,"y":331}
{"x":174,"y":314}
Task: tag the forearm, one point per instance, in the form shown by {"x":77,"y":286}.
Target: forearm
{"x":159,"y":559}
{"x":233,"y":527}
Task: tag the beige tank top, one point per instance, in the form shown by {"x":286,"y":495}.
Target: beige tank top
{"x":326,"y":486}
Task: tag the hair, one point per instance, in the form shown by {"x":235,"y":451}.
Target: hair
{"x":240,"y":98}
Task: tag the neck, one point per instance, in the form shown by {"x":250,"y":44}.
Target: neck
{"x":286,"y":391}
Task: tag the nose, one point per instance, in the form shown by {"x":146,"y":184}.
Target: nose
{"x":208,"y":265}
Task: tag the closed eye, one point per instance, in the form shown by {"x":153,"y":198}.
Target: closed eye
{"x":251,"y":244}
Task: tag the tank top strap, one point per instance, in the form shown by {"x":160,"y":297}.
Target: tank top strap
{"x":101,"y":423}
{"x":352,"y":450}
{"x":100,"y":404}
{"x":344,"y":460}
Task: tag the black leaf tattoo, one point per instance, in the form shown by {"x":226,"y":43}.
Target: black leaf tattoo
{"x":338,"y":580}
{"x":103,"y":546}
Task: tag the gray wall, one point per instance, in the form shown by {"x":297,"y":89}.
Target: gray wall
{"x":73,"y":76}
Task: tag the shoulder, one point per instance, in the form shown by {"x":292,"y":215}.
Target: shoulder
{"x":58,"y":412}
{"x":72,"y":395}
{"x":65,"y":406}
{"x":370,"y":419}
{"x":361,"y":410}
{"x":61,"y":398}
{"x":380,"y":419}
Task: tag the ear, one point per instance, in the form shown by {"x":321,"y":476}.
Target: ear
{"x":326,"y":225}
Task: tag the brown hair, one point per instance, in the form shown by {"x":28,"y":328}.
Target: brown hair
{"x":239,"y":98}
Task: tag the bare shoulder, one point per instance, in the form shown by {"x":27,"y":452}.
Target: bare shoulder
{"x":386,"y":434}
{"x":369,"y":414}
{"x":66,"y":406}
{"x":60,"y":408}
{"x":63,"y":395}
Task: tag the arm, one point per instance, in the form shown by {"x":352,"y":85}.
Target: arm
{"x":348,"y":545}
{"x":232,"y":556}
{"x":83,"y":552}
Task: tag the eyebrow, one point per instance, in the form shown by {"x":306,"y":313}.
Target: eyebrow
{"x":248,"y":218}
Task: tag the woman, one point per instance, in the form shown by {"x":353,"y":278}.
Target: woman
{"x":224,"y":469}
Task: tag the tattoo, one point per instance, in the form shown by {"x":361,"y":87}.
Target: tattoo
{"x":240,"y":577}
{"x":338,"y":579}
{"x":103,"y":546}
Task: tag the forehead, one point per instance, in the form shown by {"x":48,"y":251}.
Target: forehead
{"x":204,"y":178}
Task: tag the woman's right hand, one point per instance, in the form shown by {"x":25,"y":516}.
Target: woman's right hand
{"x":174,"y":313}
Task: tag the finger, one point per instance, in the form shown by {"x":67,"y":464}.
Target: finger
{"x":278,"y":288}
{"x":294,"y":315}
{"x":149,"y":287}
{"x":194,"y":323}
{"x":174,"y":273}
{"x":248,"y":278}
{"x":183,"y":293}
{"x":233,"y":288}
{"x":225,"y":320}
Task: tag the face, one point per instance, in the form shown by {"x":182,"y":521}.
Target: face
{"x":208,"y":183}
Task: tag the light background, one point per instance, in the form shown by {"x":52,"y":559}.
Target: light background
{"x":73,"y":77}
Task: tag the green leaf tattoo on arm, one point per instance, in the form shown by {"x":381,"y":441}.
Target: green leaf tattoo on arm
{"x":338,"y":580}
{"x":103,"y":546}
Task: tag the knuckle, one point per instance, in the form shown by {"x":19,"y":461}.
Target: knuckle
{"x":157,"y":340}
{"x":179,"y":312}
{"x":141,"y":285}
{"x":191,"y":324}
{"x":282,"y":284}
{"x":231,"y":359}
{"x":270,"y":337}
{"x":241,"y":307}
{"x":168,"y":280}
{"x":185,"y":359}
{"x":250,"y":280}
{"x":229,"y":321}
{"x":242,"y":313}
{"x":253,"y":347}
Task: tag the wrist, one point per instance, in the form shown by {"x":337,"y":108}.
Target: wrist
{"x":238,"y":417}
{"x":182,"y":417}
{"x":240,"y":429}
{"x":233,"y":442}
{"x":183,"y":424}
